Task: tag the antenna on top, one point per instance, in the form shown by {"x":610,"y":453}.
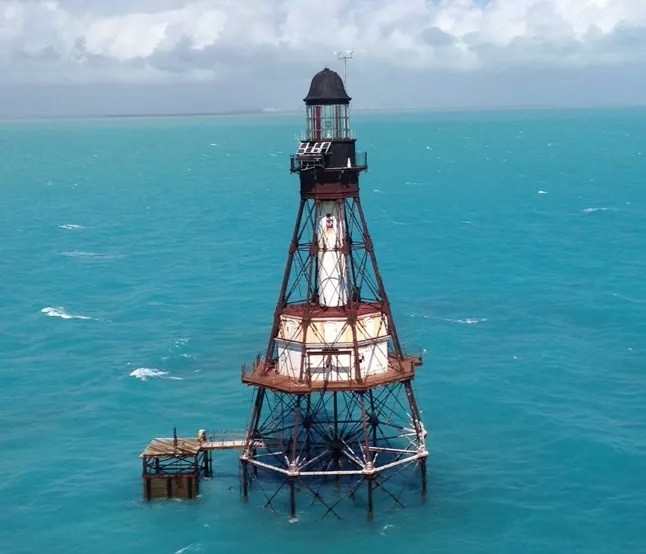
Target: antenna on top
{"x":344,"y":55}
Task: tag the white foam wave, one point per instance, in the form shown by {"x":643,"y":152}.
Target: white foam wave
{"x":542,"y":192}
{"x":145,"y":373}
{"x":385,"y":529}
{"x":60,"y":312}
{"x":469,"y":320}
{"x":87,"y":255}
{"x":70,"y":227}
{"x":592,"y":210}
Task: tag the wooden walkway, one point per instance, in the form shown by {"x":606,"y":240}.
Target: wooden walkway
{"x":169,"y":447}
{"x":223,"y":445}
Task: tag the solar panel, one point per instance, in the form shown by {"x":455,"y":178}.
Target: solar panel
{"x":313,"y":148}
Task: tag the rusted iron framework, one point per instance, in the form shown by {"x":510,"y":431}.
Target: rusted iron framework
{"x":348,"y":438}
{"x":333,"y":399}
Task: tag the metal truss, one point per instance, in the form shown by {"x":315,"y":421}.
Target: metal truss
{"x":307,"y":442}
{"x":299,"y":284}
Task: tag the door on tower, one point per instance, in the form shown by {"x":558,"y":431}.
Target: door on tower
{"x":334,"y":366}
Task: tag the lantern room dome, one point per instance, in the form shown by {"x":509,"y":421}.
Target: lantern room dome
{"x":327,"y":88}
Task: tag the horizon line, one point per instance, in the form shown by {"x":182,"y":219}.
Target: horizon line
{"x":293,"y":111}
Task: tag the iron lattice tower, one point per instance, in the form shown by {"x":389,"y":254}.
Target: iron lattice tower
{"x":333,"y":398}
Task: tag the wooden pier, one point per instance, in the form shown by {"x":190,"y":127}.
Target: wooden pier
{"x":173,"y":466}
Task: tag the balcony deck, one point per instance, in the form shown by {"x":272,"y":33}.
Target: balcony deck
{"x":356,"y":162}
{"x":264,"y":375}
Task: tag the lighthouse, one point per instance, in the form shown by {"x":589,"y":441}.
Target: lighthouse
{"x":334,"y":414}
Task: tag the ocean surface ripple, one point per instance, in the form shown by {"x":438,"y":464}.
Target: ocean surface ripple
{"x":141,"y":260}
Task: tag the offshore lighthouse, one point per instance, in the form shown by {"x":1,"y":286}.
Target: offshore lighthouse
{"x":334,"y":414}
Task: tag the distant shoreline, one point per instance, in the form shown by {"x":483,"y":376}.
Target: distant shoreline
{"x":290,"y":112}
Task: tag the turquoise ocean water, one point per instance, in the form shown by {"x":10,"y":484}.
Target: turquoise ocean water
{"x":140,"y":261}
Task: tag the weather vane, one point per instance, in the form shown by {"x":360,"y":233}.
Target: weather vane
{"x":344,"y":55}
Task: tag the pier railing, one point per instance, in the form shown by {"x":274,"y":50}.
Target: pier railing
{"x":225,"y":436}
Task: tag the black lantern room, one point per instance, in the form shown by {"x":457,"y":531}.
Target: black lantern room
{"x":326,"y":152}
{"x":327,"y":107}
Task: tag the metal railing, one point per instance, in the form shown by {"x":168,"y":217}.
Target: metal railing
{"x":303,"y":162}
{"x":325,"y":134}
{"x":414,"y":350}
{"x":223,"y":436}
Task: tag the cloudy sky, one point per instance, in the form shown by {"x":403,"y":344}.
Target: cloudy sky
{"x":73,"y":57}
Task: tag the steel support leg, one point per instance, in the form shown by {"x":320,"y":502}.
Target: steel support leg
{"x":422,"y":470}
{"x":245,"y":479}
{"x":292,"y":499}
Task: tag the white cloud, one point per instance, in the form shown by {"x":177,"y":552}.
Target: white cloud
{"x":126,"y":37}
{"x":143,"y":40}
